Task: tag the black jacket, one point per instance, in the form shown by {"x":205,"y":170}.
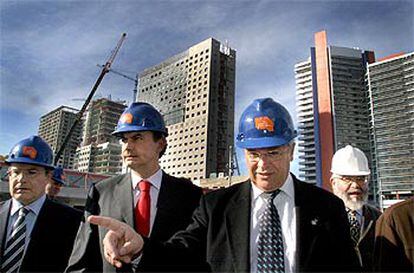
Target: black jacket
{"x":52,"y":236}
{"x":220,"y":233}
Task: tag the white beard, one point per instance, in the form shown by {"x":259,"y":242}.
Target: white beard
{"x":349,"y":203}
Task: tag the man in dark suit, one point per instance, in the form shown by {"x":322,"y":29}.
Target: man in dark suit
{"x":349,"y":181}
{"x":36,"y":234}
{"x":156,"y":204}
{"x":270,"y":223}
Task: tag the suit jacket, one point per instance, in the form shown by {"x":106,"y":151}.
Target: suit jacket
{"x":113,"y":197}
{"x":365,"y":245}
{"x":52,"y":236}
{"x":220,"y":233}
{"x":394,"y":239}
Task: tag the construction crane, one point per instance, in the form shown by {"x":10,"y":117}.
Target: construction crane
{"x":135,"y":91}
{"x":105,"y":70}
{"x":233,"y":164}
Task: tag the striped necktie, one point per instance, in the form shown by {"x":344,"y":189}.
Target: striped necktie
{"x":14,"y":250}
{"x":270,"y":253}
{"x":354,"y":225}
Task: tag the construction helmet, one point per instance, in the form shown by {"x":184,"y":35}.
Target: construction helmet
{"x":33,"y":150}
{"x":140,"y":116}
{"x":58,"y":176}
{"x":265,"y":123}
{"x":350,"y":161}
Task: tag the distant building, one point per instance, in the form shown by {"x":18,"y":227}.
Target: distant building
{"x":332,"y":106}
{"x":194,"y":91}
{"x":53,"y":128}
{"x":100,"y":152}
{"x":391,"y":92}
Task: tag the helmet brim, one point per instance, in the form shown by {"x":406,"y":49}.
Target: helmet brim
{"x":25,"y":160}
{"x":264,"y":142}
{"x":131,"y":129}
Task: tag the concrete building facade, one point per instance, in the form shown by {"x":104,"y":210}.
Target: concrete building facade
{"x":100,"y":152}
{"x":332,"y":106}
{"x":53,"y":128}
{"x":391,"y":92}
{"x":194,"y":90}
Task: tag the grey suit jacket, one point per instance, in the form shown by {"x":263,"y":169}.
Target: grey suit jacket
{"x":113,"y":197}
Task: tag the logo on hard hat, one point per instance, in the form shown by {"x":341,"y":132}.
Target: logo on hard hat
{"x":29,"y":151}
{"x":264,"y":123}
{"x":127,"y":118}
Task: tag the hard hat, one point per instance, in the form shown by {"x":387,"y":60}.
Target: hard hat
{"x":33,"y":150}
{"x":350,"y":161}
{"x":140,"y":116}
{"x":265,"y":123}
{"x":58,"y":176}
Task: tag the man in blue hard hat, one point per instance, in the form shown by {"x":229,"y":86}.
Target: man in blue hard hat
{"x":147,"y":199}
{"x":55,"y":183}
{"x":271,"y":223}
{"x":31,"y":225}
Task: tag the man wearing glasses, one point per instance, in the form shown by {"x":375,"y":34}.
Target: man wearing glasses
{"x":270,"y":223}
{"x":36,"y":233}
{"x":350,"y":173}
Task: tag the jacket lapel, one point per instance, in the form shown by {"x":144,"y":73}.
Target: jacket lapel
{"x":125,"y":199}
{"x":238,"y":227}
{"x":307,"y":227}
{"x":4,"y":214}
{"x":166,"y":201}
{"x":368,"y":221}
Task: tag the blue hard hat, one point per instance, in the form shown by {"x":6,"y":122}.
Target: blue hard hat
{"x":58,"y":175}
{"x":140,"y":116}
{"x":264,"y":124}
{"x":33,"y":150}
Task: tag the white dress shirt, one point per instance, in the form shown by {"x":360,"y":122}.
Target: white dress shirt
{"x":155,"y":181}
{"x":285,"y":205}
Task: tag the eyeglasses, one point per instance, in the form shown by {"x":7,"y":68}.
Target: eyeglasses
{"x":30,"y":173}
{"x":273,"y":155}
{"x":356,"y":179}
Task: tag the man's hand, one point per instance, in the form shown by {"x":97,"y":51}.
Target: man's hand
{"x":121,"y":244}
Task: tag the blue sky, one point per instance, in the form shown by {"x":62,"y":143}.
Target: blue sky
{"x":49,"y":49}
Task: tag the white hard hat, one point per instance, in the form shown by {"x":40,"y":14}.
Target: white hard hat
{"x":350,"y":161}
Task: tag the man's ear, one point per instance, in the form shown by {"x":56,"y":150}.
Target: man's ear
{"x":292,"y":150}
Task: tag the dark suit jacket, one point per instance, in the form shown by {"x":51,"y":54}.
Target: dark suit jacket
{"x":365,"y":245}
{"x":52,"y":236}
{"x":113,"y":197}
{"x":394,"y":238}
{"x":220,"y":233}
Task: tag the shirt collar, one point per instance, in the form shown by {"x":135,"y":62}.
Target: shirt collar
{"x":154,"y":179}
{"x":287,"y":188}
{"x":34,"y":207}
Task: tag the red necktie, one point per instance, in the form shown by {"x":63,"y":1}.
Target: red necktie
{"x":143,"y":209}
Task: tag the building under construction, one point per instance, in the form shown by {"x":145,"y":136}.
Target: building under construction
{"x":194,"y":91}
{"x":100,"y":152}
{"x":53,"y":128}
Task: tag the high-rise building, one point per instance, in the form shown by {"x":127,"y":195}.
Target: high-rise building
{"x":194,"y":91}
{"x":391,"y":92}
{"x":100,"y":152}
{"x":53,"y":128}
{"x":332,"y":106}
{"x":100,"y":121}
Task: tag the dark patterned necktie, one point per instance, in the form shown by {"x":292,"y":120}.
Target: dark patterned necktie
{"x":14,"y":250}
{"x":270,"y":254}
{"x":354,"y":225}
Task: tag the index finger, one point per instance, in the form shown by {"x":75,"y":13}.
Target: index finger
{"x":106,"y":222}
